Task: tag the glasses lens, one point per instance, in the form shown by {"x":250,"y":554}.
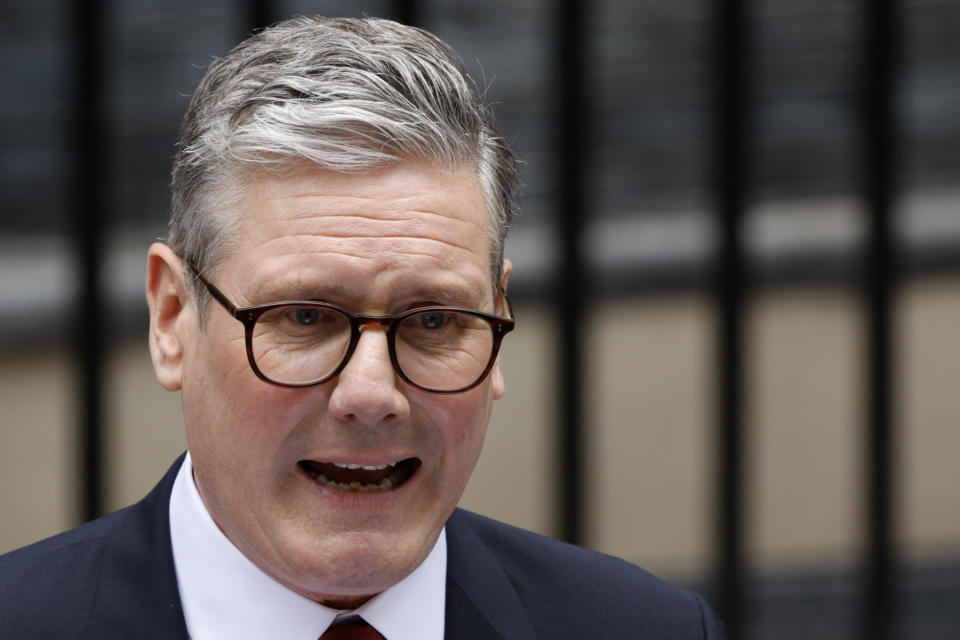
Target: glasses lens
{"x":442,"y":349}
{"x":299,"y":344}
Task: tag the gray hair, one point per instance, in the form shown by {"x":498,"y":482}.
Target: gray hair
{"x":346,"y":94}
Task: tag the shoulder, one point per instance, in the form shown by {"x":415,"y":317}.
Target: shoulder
{"x":95,"y":581}
{"x":61,"y":551}
{"x":535,"y":554}
{"x":56,"y":577}
{"x":560,"y":583}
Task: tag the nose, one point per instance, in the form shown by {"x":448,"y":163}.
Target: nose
{"x":366,"y":390}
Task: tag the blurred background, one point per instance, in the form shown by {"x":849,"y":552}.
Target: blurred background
{"x":737,"y":279}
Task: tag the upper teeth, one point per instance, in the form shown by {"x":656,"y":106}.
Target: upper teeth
{"x":365,"y":467}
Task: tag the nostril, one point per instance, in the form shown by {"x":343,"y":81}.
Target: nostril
{"x":352,"y":417}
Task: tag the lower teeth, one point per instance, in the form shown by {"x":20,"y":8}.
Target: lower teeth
{"x":357,"y":487}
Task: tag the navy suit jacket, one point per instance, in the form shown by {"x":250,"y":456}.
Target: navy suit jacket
{"x":114,"y":578}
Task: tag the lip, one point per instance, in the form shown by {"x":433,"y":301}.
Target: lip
{"x":369,"y":461}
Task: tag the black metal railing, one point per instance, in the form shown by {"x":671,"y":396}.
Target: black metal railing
{"x":570,"y":302}
{"x":89,"y":159}
{"x":878,"y":152}
{"x":730,"y":162}
{"x":730,"y":172}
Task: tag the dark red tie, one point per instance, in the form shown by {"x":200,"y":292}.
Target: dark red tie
{"x":356,"y":629}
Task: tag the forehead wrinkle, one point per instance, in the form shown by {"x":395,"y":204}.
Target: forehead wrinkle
{"x":398,"y":250}
{"x":408,"y":185}
{"x":383,"y":268}
{"x":359,"y":222}
{"x":371,"y":224}
{"x":390,"y":211}
{"x":394,"y":205}
{"x":391,"y":193}
{"x":388,"y":205}
{"x":448,"y":241}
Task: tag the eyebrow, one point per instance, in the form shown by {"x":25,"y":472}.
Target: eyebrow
{"x":276,"y":291}
{"x":443,"y":294}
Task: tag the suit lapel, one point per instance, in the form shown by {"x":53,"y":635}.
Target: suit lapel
{"x":137,"y":594}
{"x":481,"y":601}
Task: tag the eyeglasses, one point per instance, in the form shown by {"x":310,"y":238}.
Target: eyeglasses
{"x":302,"y":344}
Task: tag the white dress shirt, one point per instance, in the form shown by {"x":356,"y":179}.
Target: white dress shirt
{"x":225,"y":596}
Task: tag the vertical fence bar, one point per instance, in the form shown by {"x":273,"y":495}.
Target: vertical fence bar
{"x":878,"y":147}
{"x":88,"y":161}
{"x":407,"y":12}
{"x":730,"y":175}
{"x":569,"y":81}
{"x":259,"y":15}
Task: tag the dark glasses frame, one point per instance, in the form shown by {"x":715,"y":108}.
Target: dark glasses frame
{"x":248,"y":316}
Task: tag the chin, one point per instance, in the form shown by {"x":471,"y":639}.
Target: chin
{"x":353,"y":565}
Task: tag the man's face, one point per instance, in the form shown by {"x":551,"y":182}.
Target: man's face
{"x":376,"y":243}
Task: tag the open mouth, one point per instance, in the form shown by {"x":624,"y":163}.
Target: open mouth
{"x":360,"y":478}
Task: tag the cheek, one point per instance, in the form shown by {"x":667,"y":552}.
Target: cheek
{"x":229,"y":361}
{"x":229,"y":413}
{"x":217,"y":355}
{"x":464,"y":424}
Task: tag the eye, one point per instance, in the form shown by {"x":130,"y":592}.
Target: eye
{"x":302,"y":321}
{"x":306,"y":316}
{"x":432,"y":319}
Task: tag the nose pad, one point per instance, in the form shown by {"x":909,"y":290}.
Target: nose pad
{"x":367,"y":389}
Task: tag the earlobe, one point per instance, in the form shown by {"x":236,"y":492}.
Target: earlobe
{"x":167,"y":299}
{"x":497,"y":383}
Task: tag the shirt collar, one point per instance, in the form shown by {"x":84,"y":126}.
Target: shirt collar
{"x":224,"y":595}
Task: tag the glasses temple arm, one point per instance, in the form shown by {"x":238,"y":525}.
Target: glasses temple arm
{"x":216,"y":293}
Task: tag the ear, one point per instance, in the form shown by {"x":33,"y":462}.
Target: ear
{"x":498,"y":385}
{"x":169,"y":303}
{"x":507,"y":270}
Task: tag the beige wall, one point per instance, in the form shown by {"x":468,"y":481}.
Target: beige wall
{"x":36,"y":445}
{"x":929,"y":447}
{"x":805,"y":424}
{"x":651,"y":439}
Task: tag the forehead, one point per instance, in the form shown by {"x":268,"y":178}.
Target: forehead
{"x":391,"y":230}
